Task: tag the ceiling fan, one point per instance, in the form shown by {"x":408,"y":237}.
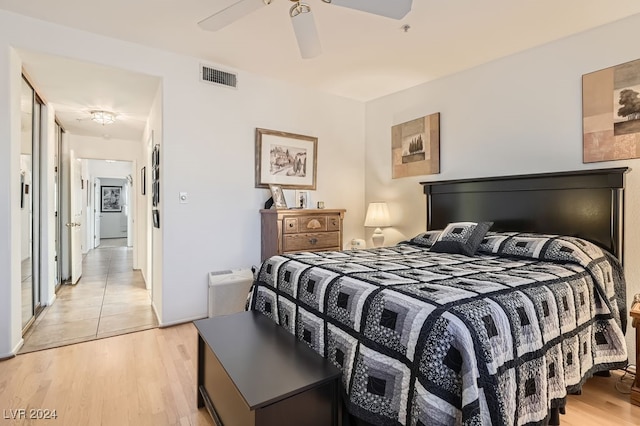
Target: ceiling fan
{"x":304,"y":26}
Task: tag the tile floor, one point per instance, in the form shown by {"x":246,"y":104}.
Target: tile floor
{"x":109,"y":299}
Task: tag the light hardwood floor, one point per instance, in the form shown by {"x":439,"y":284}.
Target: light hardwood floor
{"x":144,"y":378}
{"x":149,"y":378}
{"x":109,"y":299}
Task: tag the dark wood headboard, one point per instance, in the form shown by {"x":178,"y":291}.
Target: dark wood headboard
{"x":588,"y":204}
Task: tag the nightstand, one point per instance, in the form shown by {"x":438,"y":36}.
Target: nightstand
{"x":635,"y":314}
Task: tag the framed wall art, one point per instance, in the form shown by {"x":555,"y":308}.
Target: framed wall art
{"x":143,"y":180}
{"x":285,"y":159}
{"x":611,"y":113}
{"x":111,"y":197}
{"x":155,"y":213}
{"x":155,"y":175}
{"x":415,"y":147}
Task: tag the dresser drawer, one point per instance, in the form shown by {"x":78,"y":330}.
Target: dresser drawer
{"x":311,"y":241}
{"x":290,"y":225}
{"x":312,"y":224}
{"x":333,"y":223}
{"x":295,"y":230}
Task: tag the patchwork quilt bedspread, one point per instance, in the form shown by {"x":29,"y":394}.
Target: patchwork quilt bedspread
{"x":425,"y":338}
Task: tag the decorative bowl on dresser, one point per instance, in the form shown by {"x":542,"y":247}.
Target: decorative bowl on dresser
{"x":293,"y":230}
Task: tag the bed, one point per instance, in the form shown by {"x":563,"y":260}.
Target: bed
{"x":495,"y":336}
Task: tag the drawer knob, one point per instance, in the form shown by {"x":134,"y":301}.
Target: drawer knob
{"x":313,"y":240}
{"x":290,"y":225}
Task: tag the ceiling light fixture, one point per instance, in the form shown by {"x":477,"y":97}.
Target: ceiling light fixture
{"x":103,"y":117}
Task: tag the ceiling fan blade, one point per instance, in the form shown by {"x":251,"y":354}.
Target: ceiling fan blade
{"x":306,"y":32}
{"x":230,"y":14}
{"x":396,"y":9}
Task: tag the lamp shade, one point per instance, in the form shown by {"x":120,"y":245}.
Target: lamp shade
{"x":377,"y":215}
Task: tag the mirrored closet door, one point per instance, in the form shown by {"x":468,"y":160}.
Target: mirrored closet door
{"x":31,"y":107}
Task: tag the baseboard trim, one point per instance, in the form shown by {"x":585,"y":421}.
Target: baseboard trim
{"x":4,"y":357}
{"x":181,"y":321}
{"x":155,"y":311}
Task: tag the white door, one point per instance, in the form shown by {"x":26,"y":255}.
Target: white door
{"x":97,"y":199}
{"x":75,"y":225}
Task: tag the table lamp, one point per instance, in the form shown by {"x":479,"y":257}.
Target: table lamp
{"x":377,"y":217}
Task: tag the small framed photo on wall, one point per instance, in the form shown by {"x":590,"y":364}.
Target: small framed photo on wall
{"x":156,"y":218}
{"x":111,"y":199}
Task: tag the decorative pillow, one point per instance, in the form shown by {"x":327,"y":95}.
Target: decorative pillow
{"x":461,"y":237}
{"x":426,"y":239}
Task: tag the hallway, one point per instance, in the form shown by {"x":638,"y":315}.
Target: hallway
{"x":110,"y":299}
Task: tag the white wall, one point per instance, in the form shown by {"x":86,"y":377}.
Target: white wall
{"x":521,"y":114}
{"x":10,"y":301}
{"x":209,"y":154}
{"x":151,"y":262}
{"x":207,"y":150}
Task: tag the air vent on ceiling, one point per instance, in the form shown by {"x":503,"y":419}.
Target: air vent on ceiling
{"x":216,"y":76}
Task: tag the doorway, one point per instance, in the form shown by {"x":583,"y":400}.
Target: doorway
{"x":75,"y":92}
{"x":108,"y":297}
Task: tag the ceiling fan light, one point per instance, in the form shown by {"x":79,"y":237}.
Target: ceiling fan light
{"x":299,"y":8}
{"x":103,"y":117}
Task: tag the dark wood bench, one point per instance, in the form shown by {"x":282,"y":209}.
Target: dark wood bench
{"x":253,"y":372}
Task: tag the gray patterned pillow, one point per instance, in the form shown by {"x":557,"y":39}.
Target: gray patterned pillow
{"x":426,"y":239}
{"x":461,"y":237}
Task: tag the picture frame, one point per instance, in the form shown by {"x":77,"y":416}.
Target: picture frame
{"x":24,"y":189}
{"x":143,"y":180}
{"x":285,"y":159}
{"x":155,"y":175}
{"x":279,"y":202}
{"x":156,"y":218}
{"x":111,"y":199}
{"x":611,"y":113}
{"x":302,"y":199}
{"x":415,"y":147}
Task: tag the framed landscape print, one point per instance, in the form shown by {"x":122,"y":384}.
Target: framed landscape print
{"x":611,"y":113}
{"x":415,"y":147}
{"x":111,"y":197}
{"x":285,"y":159}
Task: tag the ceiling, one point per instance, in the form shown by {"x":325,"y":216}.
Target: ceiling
{"x":75,"y":88}
{"x":364,"y":57}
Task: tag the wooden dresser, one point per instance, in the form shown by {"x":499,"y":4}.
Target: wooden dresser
{"x":292,"y":230}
